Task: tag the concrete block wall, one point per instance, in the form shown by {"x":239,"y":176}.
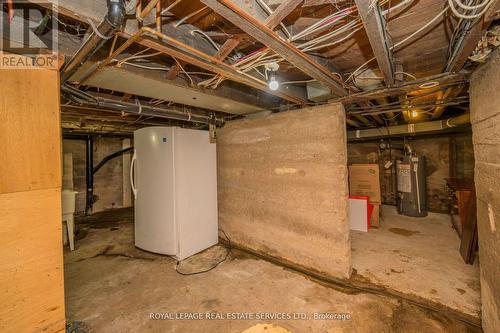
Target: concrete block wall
{"x":485,"y":119}
{"x":108,"y":181}
{"x":282,"y":187}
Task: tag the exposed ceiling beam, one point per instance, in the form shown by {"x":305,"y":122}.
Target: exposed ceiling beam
{"x":258,"y":30}
{"x":431,"y":82}
{"x":451,"y":92}
{"x":375,"y":27}
{"x":307,"y":3}
{"x":283,"y":10}
{"x":95,"y":10}
{"x":180,"y":51}
{"x":226,"y":48}
{"x":472,"y":37}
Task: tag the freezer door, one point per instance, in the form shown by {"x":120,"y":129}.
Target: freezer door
{"x":154,"y":200}
{"x":196,"y":191}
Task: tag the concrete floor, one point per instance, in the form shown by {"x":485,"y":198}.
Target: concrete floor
{"x":420,"y":258}
{"x":111,"y":286}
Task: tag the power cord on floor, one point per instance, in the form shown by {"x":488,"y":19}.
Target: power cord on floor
{"x":228,"y":251}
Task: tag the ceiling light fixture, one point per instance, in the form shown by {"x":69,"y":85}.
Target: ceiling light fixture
{"x":414,"y":114}
{"x":273,"y":84}
{"x":272,"y":68}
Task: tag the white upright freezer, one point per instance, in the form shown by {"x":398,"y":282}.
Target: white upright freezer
{"x":174,"y":181}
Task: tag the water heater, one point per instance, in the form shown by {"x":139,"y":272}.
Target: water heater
{"x":411,"y":188}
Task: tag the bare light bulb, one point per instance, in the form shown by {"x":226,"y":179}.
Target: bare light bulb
{"x":414,"y":114}
{"x":273,"y":84}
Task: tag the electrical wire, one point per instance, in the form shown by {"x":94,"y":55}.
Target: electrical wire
{"x":170,"y":7}
{"x":210,"y":40}
{"x":187,"y":17}
{"x":269,"y":11}
{"x":183,"y":71}
{"x":486,"y":4}
{"x":407,"y":74}
{"x":228,"y":251}
{"x":335,"y":42}
{"x":398,"y":44}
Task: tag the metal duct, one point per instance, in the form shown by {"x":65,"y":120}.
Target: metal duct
{"x":106,"y":30}
{"x":86,"y":99}
{"x":408,"y":129}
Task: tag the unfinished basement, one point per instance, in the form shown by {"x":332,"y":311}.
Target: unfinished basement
{"x":250,"y":166}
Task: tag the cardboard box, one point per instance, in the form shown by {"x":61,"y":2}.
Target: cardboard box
{"x":375,"y":218}
{"x":364,"y":180}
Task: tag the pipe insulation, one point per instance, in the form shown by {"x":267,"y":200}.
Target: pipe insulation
{"x":409,"y":129}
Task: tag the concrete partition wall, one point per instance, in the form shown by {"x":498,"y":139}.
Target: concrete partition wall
{"x":282,"y":187}
{"x":485,"y":119}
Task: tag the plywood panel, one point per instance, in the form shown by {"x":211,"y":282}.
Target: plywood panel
{"x":29,"y":130}
{"x":31,"y":266}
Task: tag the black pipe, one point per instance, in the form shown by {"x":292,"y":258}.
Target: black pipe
{"x":89,"y":175}
{"x":113,"y":20}
{"x":110,"y":157}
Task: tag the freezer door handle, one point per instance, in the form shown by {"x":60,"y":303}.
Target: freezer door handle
{"x":132,"y":163}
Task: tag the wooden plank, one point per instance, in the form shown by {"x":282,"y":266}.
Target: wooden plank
{"x":29,"y":130}
{"x":268,"y":37}
{"x":283,"y":10}
{"x":471,"y":39}
{"x":31,"y":269}
{"x":375,"y":27}
{"x":226,"y":49}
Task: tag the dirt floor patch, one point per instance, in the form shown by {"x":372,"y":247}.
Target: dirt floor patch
{"x":403,"y":232}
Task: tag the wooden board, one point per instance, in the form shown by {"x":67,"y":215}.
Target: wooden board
{"x":29,"y":130}
{"x":31,"y":269}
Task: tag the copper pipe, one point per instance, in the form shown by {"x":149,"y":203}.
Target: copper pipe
{"x":10,"y":9}
{"x":158,"y":16}
{"x":152,"y":4}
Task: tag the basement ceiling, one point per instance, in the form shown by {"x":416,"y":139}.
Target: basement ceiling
{"x":128,"y":82}
{"x":213,"y":55}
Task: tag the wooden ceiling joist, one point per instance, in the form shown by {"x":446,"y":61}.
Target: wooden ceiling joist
{"x":472,"y":37}
{"x":259,"y":31}
{"x":95,"y":11}
{"x":375,"y":27}
{"x":432,"y":82}
{"x":180,"y":51}
{"x":283,"y":10}
{"x":226,"y":48}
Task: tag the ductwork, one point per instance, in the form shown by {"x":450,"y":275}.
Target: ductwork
{"x":408,"y":129}
{"x":113,"y":20}
{"x":86,"y":99}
